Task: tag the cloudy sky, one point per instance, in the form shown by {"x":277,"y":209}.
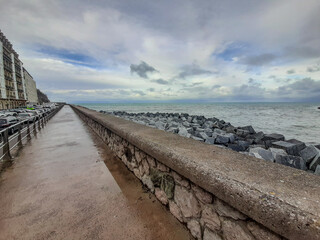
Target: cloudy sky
{"x":205,"y":50}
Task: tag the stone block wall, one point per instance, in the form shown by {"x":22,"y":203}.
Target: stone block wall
{"x":204,"y":214}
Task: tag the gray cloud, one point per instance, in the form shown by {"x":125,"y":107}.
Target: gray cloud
{"x":161,"y":81}
{"x":291,"y":71}
{"x":215,"y":86}
{"x":142,"y":69}
{"x":306,"y":87}
{"x":315,"y":68}
{"x":168,"y":34}
{"x":192,"y":70}
{"x":258,"y":60}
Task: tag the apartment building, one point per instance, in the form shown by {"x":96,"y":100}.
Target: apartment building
{"x":31,"y":88}
{"x":12,"y":83}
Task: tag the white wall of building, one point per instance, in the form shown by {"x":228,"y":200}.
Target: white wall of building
{"x":2,"y":80}
{"x":31,"y":88}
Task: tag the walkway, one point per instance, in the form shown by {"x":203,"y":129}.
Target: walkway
{"x":60,"y":188}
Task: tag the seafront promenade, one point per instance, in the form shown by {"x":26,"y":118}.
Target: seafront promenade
{"x":66,"y":184}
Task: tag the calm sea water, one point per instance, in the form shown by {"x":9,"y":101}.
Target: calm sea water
{"x":294,"y":120}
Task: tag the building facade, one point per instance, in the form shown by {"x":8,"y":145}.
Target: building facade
{"x":12,"y":83}
{"x":31,"y":88}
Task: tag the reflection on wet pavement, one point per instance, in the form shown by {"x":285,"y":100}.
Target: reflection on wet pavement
{"x":60,"y":188}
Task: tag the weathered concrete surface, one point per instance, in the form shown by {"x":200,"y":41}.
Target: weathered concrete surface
{"x":60,"y":188}
{"x":283,"y":199}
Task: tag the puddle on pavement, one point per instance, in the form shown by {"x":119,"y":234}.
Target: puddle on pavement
{"x":156,"y":216}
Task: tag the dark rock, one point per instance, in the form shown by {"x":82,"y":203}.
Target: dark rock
{"x":258,"y":137}
{"x":235,"y":147}
{"x":309,"y":153}
{"x":221,"y":139}
{"x":242,"y":133}
{"x":230,"y":129}
{"x":249,"y":129}
{"x":231,"y":137}
{"x":172,"y":130}
{"x":291,"y":161}
{"x":244,"y":145}
{"x":273,"y":137}
{"x":239,"y":146}
{"x":300,"y":145}
{"x":315,"y":162}
{"x":268,"y":139}
{"x":290,"y":148}
{"x":317,"y":172}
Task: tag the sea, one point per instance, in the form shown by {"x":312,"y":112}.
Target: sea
{"x":294,"y":120}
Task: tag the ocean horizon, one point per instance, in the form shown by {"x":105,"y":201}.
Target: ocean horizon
{"x":299,"y":120}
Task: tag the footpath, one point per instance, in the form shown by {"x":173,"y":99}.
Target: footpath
{"x":66,"y":184}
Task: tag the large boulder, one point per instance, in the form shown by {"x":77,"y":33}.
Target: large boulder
{"x":309,"y":153}
{"x":290,"y":148}
{"x":273,"y":137}
{"x":258,"y":137}
{"x":277,"y":151}
{"x":239,"y":146}
{"x":261,"y":153}
{"x":242,"y":133}
{"x":183,"y":132}
{"x":291,"y":161}
{"x":202,"y":135}
{"x":317,"y":172}
{"x":210,"y":140}
{"x":300,"y":145}
{"x":249,"y":129}
{"x":315,"y":162}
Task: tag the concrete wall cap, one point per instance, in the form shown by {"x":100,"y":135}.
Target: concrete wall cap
{"x":283,"y":199}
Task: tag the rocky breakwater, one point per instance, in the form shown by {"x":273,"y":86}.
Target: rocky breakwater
{"x":270,"y":147}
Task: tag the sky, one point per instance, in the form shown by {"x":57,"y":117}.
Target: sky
{"x":177,"y":50}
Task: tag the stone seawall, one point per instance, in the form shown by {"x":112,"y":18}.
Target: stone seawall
{"x":217,"y":193}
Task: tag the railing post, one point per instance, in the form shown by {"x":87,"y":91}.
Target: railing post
{"x":28,"y":130}
{"x":39,"y":127}
{"x":6,"y":147}
{"x":34,"y":128}
{"x":19,"y":135}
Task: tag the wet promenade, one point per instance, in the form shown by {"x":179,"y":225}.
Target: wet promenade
{"x":66,"y":184}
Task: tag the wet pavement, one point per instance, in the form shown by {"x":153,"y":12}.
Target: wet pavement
{"x":66,"y":184}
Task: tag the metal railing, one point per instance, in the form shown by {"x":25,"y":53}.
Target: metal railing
{"x":19,"y":132}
